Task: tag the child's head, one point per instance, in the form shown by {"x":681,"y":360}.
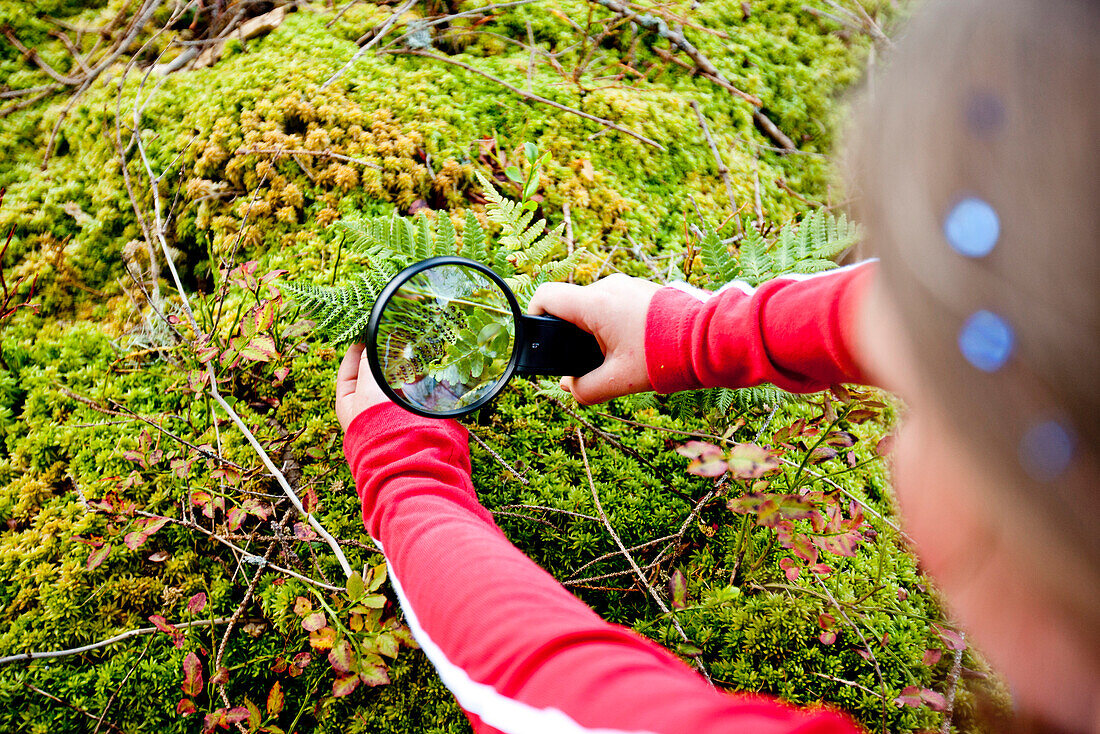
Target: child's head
{"x":977,"y":169}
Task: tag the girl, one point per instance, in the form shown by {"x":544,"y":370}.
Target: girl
{"x":976,"y":167}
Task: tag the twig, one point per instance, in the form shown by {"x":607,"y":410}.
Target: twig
{"x":448,"y":18}
{"x":73,"y":706}
{"x":859,"y":633}
{"x":605,"y":556}
{"x":378,"y":36}
{"x":852,"y":683}
{"x":870,"y":510}
{"x":722,"y":170}
{"x":279,"y":152}
{"x":111,"y":700}
{"x":246,"y":556}
{"x":952,"y":687}
{"x":533,"y":97}
{"x":24,"y":103}
{"x":28,"y":656}
{"x":580,"y":515}
{"x":500,"y":459}
{"x":626,"y":553}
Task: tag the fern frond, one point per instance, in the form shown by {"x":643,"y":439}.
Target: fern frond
{"x":445,"y":241}
{"x":473,"y":240}
{"x":341,"y":312}
{"x":425,"y":242}
{"x":753,"y":258}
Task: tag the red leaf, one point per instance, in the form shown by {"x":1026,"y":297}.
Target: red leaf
{"x":826,"y":621}
{"x":749,"y":461}
{"x":197,"y":603}
{"x":185,"y":707}
{"x":345,"y":685}
{"x":275,"y":700}
{"x":238,"y":713}
{"x":843,"y":544}
{"x":314,"y":622}
{"x":98,"y":556}
{"x":162,"y":624}
{"x":790,"y":568}
{"x":192,"y":675}
{"x":677,"y":587}
{"x":135,"y":540}
{"x":952,"y":639}
{"x":708,"y":468}
{"x":340,"y":657}
{"x":885,"y":445}
{"x":236,"y":517}
{"x":309,"y":499}
{"x":302,"y":606}
{"x":827,"y":637}
{"x":301,"y":660}
{"x":910,"y":696}
{"x":374,"y":675}
{"x":903,"y":594}
{"x":932,"y":656}
{"x":304,"y":532}
{"x":861,"y":415}
{"x":822,"y":453}
{"x":699,"y":450}
{"x":220,"y":677}
{"x":935,"y":701}
{"x":260,"y":348}
{"x":154,"y":524}
{"x":281,"y":374}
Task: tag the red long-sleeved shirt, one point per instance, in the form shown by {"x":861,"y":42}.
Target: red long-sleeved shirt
{"x":521,"y":653}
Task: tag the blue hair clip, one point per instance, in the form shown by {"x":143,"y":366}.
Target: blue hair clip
{"x":986,"y":340}
{"x":972,"y":227}
{"x":1046,"y":450}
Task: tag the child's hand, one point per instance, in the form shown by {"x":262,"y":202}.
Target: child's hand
{"x":614,"y":310}
{"x":356,"y":389}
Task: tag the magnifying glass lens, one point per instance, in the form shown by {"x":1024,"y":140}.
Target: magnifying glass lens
{"x":445,"y":338}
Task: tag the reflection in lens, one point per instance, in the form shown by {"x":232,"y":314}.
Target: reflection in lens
{"x":445,"y":338}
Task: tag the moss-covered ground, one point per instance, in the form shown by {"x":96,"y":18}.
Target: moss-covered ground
{"x":105,"y":412}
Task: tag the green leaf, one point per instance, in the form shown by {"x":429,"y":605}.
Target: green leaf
{"x":355,"y":587}
{"x":513,"y":173}
{"x":275,"y":699}
{"x":99,"y":555}
{"x":531,"y":151}
{"x":339,"y":657}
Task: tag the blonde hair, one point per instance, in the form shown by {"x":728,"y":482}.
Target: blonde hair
{"x":998,"y":102}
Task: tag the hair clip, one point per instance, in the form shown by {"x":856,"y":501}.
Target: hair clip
{"x":972,"y":227}
{"x":985,"y":112}
{"x":986,"y":341}
{"x":1046,"y":450}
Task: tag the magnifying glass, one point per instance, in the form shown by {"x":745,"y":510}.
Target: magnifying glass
{"x":446,"y":335}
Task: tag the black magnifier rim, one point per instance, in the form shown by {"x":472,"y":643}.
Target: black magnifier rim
{"x":376,"y":316}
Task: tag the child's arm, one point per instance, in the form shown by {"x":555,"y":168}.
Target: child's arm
{"x":520,"y":653}
{"x":797,"y":332}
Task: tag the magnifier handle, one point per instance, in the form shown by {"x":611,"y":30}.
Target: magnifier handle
{"x":554,"y":346}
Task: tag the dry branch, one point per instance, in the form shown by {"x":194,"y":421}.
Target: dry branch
{"x":723,"y":171}
{"x":379,"y":34}
{"x":29,"y":656}
{"x":534,"y":97}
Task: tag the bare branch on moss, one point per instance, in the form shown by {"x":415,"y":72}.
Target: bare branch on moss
{"x":953,"y":686}
{"x":246,"y":556}
{"x":29,"y":656}
{"x":279,"y":152}
{"x":722,"y":170}
{"x":73,"y":706}
{"x":629,"y":558}
{"x":378,"y":35}
{"x":482,"y":11}
{"x":500,"y":459}
{"x":533,"y":97}
{"x":871,"y":653}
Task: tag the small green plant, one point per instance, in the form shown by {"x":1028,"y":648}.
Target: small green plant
{"x":525,"y":254}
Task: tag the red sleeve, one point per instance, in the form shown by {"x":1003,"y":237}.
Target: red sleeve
{"x":520,"y":653}
{"x":796,"y":332}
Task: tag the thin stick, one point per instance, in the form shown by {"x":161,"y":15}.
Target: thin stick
{"x":870,"y":652}
{"x":121,"y":685}
{"x":279,"y":152}
{"x":626,"y":553}
{"x":580,"y":515}
{"x":533,"y":97}
{"x":379,"y":34}
{"x":952,"y":687}
{"x":500,"y":459}
{"x":73,"y":706}
{"x":722,"y":170}
{"x":448,"y":18}
{"x":28,"y":656}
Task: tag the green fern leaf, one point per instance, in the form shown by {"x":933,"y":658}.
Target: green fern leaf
{"x":473,"y":240}
{"x":425,"y":243}
{"x":445,"y":241}
{"x":753,"y":257}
